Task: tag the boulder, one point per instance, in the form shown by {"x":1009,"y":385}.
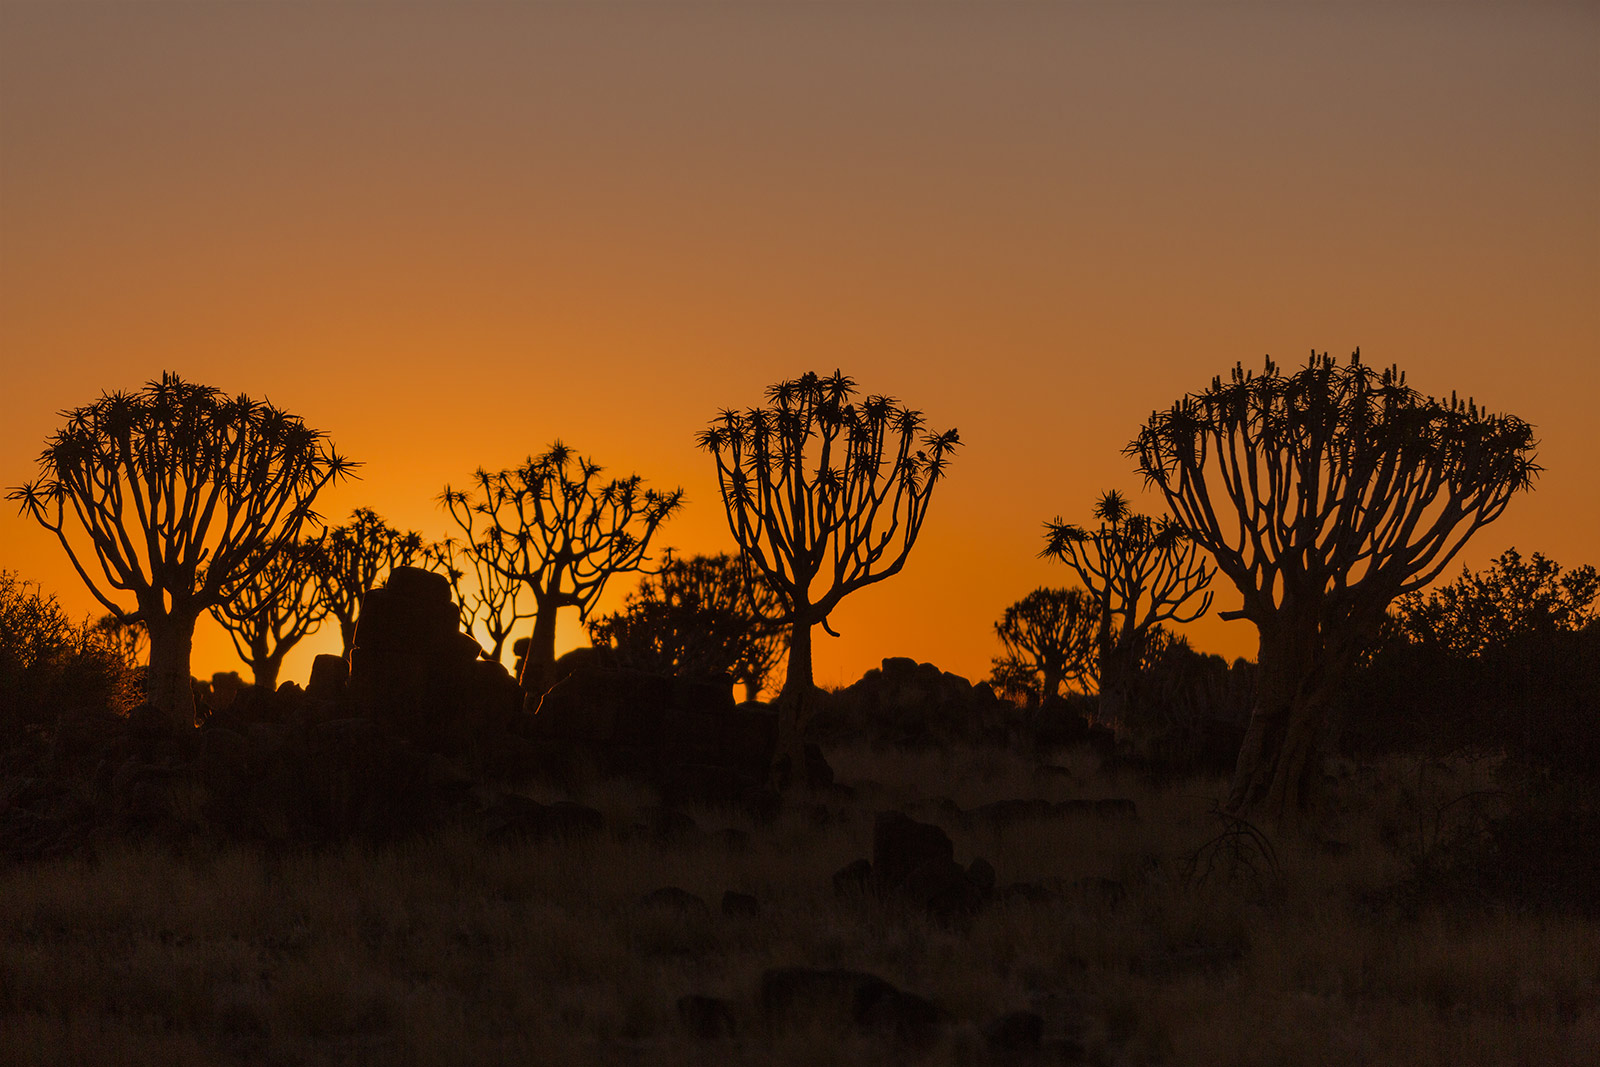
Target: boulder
{"x":1013,"y":1032}
{"x":413,"y":670}
{"x":912,"y":705}
{"x":707,"y":1018}
{"x":851,"y":1000}
{"x":901,"y":844}
{"x":853,"y":877}
{"x":676,"y":900}
{"x":740,"y":905}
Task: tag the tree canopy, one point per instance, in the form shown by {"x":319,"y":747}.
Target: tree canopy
{"x":564,"y":530}
{"x":176,"y":495}
{"x":1323,"y":495}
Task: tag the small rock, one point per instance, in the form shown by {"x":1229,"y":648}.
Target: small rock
{"x":1015,"y":1031}
{"x":852,"y":877}
{"x":901,"y":844}
{"x":733,"y":839}
{"x":740,"y":905}
{"x":981,"y":873}
{"x":672,"y":898}
{"x":707,"y":1018}
{"x":1116,"y":808}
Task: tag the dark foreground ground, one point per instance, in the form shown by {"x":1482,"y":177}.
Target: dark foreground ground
{"x":1163,"y":934}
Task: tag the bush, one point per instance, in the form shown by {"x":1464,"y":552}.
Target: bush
{"x":49,"y":664}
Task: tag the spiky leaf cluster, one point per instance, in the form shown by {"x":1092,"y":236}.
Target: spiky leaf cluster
{"x":560,"y":526}
{"x":1336,"y":486}
{"x":1141,"y":571}
{"x":173,"y":482}
{"x":817,"y":482}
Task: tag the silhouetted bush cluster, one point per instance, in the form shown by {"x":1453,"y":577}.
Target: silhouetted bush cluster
{"x":1503,"y":661}
{"x":49,"y":664}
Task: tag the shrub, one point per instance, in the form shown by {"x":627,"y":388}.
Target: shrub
{"x":49,"y":664}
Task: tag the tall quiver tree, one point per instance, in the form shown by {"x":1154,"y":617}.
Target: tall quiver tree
{"x":1324,"y":495}
{"x":176,"y":495}
{"x":356,"y":558}
{"x":271,"y":615}
{"x":817,"y":486}
{"x":1142,"y":572}
{"x":563,"y":530}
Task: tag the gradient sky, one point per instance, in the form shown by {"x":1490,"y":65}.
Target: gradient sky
{"x":449,"y":233}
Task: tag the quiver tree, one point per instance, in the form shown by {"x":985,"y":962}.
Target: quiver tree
{"x":1324,"y":495}
{"x":706,"y":616}
{"x":356,"y":558}
{"x":1050,"y":637}
{"x":176,"y":496}
{"x":1141,"y":572}
{"x":565,"y":531}
{"x":817,"y":486}
{"x":268,"y":617}
{"x":488,"y":598}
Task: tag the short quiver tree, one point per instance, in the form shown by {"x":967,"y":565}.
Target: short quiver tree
{"x":268,"y":617}
{"x":177,"y":495}
{"x":356,"y":558}
{"x":565,"y":532}
{"x":1050,"y":638}
{"x":710,"y":617}
{"x":1324,"y":495}
{"x":817,"y":486}
{"x":1141,"y":572}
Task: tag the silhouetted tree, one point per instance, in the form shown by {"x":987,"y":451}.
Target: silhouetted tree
{"x":1049,"y":638}
{"x":1324,"y":495}
{"x":182,"y":495}
{"x":565,"y":532}
{"x":705,"y":616}
{"x":818,"y":485}
{"x":1141,"y":572}
{"x":267,"y":618}
{"x":489,"y":598}
{"x":356,"y":558}
{"x":1513,"y":598}
{"x":125,"y":638}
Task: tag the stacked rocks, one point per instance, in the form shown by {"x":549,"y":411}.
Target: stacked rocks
{"x":415,"y":672}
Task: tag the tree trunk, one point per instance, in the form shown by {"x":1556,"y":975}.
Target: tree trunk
{"x":347,"y":634}
{"x":1052,"y":684}
{"x":266,"y":670}
{"x":1117,"y":667}
{"x":794,"y":705}
{"x":1286,"y":719}
{"x":167,"y":684}
{"x":541,"y":657}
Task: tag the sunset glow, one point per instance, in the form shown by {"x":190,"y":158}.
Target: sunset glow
{"x":449,"y":235}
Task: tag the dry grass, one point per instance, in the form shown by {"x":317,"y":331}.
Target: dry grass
{"x":447,"y":950}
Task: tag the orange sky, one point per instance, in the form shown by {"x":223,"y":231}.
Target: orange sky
{"x":450,"y":233}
